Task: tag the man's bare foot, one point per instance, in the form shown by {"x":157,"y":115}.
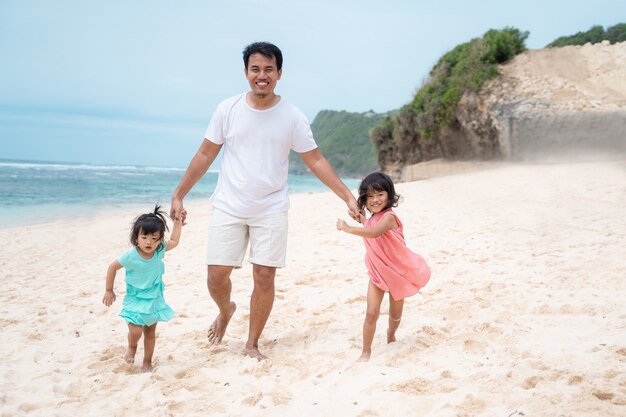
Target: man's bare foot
{"x":218,"y":328}
{"x":391,"y":336}
{"x":147,"y":367}
{"x":254,"y":353}
{"x":365,"y":356}
{"x":129,"y":356}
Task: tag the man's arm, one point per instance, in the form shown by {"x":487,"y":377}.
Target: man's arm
{"x":197,"y":168}
{"x":322,"y":169}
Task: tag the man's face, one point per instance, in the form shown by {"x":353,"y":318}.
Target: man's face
{"x":262,"y":75}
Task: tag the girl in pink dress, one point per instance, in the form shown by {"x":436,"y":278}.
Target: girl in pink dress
{"x":392,"y":267}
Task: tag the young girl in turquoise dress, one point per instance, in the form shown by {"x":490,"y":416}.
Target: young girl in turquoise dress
{"x":144,"y":304}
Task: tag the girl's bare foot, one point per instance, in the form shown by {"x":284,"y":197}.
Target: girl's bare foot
{"x":254,"y":353}
{"x":365,"y":356}
{"x":147,"y":367}
{"x":391,"y":330}
{"x":129,"y":356}
{"x":218,"y":328}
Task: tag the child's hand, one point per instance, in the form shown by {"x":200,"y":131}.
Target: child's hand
{"x":109,"y":298}
{"x":361,"y":218}
{"x":341,"y":224}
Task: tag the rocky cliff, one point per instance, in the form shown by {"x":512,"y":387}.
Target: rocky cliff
{"x":546,"y":103}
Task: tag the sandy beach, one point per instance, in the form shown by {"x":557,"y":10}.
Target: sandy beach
{"x":524,"y":314}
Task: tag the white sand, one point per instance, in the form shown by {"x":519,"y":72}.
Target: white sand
{"x":524,"y":314}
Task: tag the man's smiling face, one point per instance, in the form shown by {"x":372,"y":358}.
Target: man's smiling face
{"x":262,"y":75}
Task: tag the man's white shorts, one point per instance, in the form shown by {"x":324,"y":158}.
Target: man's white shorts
{"x":229,"y":237}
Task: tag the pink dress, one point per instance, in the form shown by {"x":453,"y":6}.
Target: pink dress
{"x":390,"y":264}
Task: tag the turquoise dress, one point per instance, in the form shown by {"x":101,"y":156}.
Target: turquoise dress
{"x":144,"y":304}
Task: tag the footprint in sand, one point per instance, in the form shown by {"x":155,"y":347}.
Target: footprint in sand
{"x":112,"y":359}
{"x":184,"y":374}
{"x":253,"y":399}
{"x":29,"y":407}
{"x":574,"y":380}
{"x":359,"y":299}
{"x":428,"y":330}
{"x":415,"y":386}
{"x":471,"y":405}
{"x":488,"y":328}
{"x":474,"y":346}
{"x":604,"y":396}
{"x":111,"y":353}
{"x":280,"y":398}
{"x":36,"y":336}
{"x":531,"y":382}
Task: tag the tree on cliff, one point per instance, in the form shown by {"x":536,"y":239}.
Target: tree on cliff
{"x":596,"y":34}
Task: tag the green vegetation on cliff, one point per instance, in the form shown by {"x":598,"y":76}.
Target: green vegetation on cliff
{"x":421,"y":130}
{"x":344,"y":140}
{"x":596,"y":34}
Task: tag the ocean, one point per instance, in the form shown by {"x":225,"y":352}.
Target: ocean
{"x":34,"y":191}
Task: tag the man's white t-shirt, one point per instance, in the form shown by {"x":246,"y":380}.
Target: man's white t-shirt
{"x":255,"y":161}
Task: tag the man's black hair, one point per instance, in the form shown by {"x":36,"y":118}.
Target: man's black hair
{"x":266,"y":49}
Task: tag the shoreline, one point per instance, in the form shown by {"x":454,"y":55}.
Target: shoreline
{"x":35,"y":192}
{"x":422,"y":171}
{"x":41,"y":214}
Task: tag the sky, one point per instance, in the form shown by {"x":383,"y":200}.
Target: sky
{"x":135,"y":82}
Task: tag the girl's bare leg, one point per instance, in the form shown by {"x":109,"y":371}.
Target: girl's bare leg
{"x":395,"y":315}
{"x":134,"y":334}
{"x":149,"y":340}
{"x":374,"y":298}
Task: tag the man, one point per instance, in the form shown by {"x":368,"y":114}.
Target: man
{"x":257,"y":129}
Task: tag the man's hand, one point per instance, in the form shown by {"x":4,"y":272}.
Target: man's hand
{"x":177,"y":211}
{"x":353,"y":210}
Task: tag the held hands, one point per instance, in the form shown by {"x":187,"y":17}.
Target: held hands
{"x":344,"y":227}
{"x":109,"y":298}
{"x":353,"y":210}
{"x":359,"y":217}
{"x":177,"y":211}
